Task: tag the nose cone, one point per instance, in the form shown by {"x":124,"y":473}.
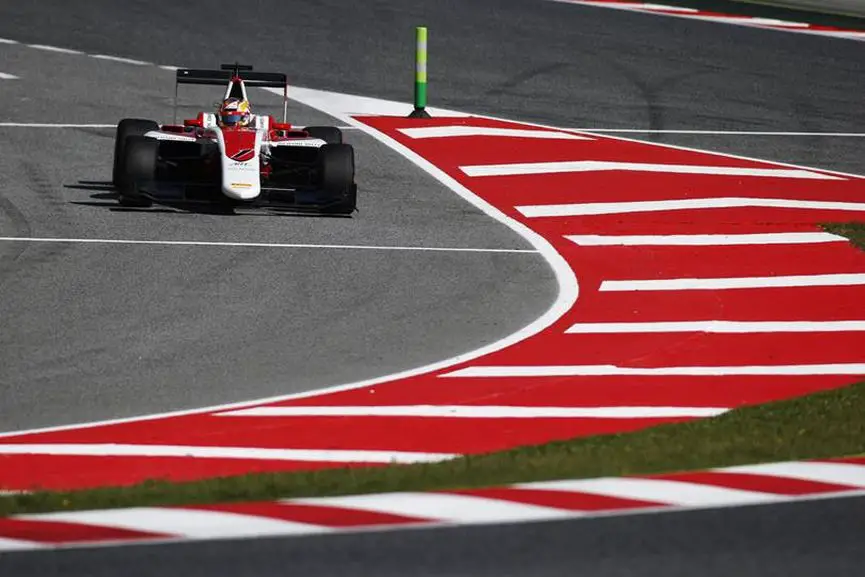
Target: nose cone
{"x":240,"y":189}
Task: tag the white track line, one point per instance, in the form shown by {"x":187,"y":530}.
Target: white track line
{"x":705,"y":239}
{"x":479,"y":412}
{"x":657,"y":491}
{"x":263,"y":245}
{"x":613,"y":370}
{"x":121,"y":59}
{"x":8,"y":41}
{"x":735,"y":327}
{"x":848,"y":474}
{"x":312,"y":455}
{"x":191,"y":523}
{"x":57,"y":49}
{"x":604,"y":166}
{"x":462,"y":130}
{"x":639,"y":6}
{"x":5,"y":76}
{"x":715,"y":132}
{"x":601,"y":208}
{"x":7,"y":544}
{"x":441,"y":506}
{"x":50,"y":125}
{"x":678,"y":284}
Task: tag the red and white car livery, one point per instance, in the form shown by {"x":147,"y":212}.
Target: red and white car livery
{"x":264,"y":163}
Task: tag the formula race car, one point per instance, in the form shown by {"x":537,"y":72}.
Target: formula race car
{"x":233,"y":157}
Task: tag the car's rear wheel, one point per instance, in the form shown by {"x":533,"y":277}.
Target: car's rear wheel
{"x":126,"y":128}
{"x":329,"y":134}
{"x":139,"y":170}
{"x":336,"y":172}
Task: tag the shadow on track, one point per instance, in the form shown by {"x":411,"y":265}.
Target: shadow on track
{"x":105,"y":191}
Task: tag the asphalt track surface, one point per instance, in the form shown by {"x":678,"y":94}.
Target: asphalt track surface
{"x":99,"y":332}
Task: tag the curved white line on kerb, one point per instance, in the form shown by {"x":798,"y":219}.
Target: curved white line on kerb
{"x":565,"y":277}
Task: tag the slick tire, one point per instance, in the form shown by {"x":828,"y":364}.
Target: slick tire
{"x":126,"y":128}
{"x":336,"y":167}
{"x":139,"y":169}
{"x":329,"y":134}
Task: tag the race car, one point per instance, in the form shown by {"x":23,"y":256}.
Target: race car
{"x":234,"y":158}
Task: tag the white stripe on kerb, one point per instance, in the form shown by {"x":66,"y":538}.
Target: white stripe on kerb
{"x":180,"y":522}
{"x":5,"y":76}
{"x":656,"y":491}
{"x":679,"y":284}
{"x":120,"y":59}
{"x":705,"y":239}
{"x":849,"y":474}
{"x":312,"y":455}
{"x":463,"y":130}
{"x":603,"y":165}
{"x":7,"y":544}
{"x":441,"y":507}
{"x":613,"y":370}
{"x":717,"y":327}
{"x":8,"y":41}
{"x":600,"y":208}
{"x":479,"y":412}
{"x":57,"y":49}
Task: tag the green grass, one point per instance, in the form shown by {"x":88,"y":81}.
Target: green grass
{"x":826,"y":424}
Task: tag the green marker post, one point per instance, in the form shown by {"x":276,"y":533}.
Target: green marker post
{"x":420,"y":84}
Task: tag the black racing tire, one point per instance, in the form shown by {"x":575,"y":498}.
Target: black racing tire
{"x":126,"y":128}
{"x":336,"y":172}
{"x":139,"y":169}
{"x":329,"y":134}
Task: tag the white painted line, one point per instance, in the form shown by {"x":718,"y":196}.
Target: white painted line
{"x":657,"y":491}
{"x":718,"y":327}
{"x":169,"y":67}
{"x":190,"y":523}
{"x":264,"y":245}
{"x":706,"y":239}
{"x":760,"y":23}
{"x":5,"y":76}
{"x":8,"y":41}
{"x":601,"y":208}
{"x":714,"y":132}
{"x":479,"y":412}
{"x":253,"y":453}
{"x":54,"y":49}
{"x":52,"y":125}
{"x":121,"y":59}
{"x":752,"y":21}
{"x":604,"y":166}
{"x":441,"y":507}
{"x":679,"y":284}
{"x":638,"y":6}
{"x":463,"y":130}
{"x":613,"y":370}
{"x":7,"y":544}
{"x":849,"y":474}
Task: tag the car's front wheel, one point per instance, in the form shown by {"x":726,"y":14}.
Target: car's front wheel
{"x":126,"y":128}
{"x":139,"y":170}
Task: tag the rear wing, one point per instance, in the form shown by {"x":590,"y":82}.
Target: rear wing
{"x":225,"y":76}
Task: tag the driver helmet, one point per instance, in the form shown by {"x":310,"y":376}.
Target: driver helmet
{"x":234,"y":112}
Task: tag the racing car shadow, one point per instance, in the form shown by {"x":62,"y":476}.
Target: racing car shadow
{"x":104,"y":191}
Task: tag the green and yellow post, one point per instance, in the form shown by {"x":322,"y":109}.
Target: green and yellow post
{"x":420,"y":85}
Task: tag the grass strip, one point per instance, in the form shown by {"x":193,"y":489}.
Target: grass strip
{"x":822,"y":425}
